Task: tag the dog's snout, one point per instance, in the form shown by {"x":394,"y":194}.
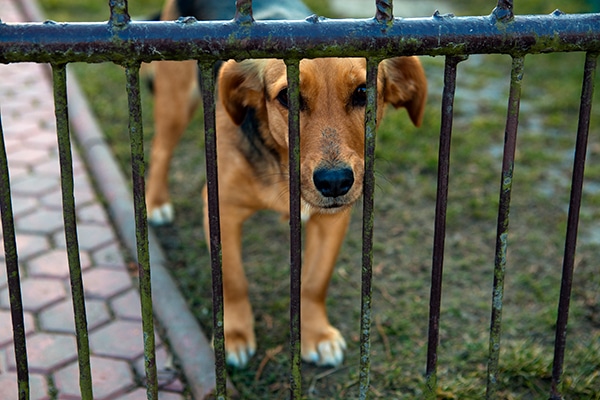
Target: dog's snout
{"x":333,"y":182}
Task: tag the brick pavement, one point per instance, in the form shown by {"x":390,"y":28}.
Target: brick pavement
{"x":112,"y":300}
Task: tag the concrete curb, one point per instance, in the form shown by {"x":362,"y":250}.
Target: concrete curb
{"x":182,"y":331}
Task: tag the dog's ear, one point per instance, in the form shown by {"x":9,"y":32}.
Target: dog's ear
{"x":241,"y":88}
{"x":405,"y":85}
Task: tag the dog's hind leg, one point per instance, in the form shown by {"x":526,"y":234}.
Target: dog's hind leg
{"x":322,"y":344}
{"x":175,"y":99}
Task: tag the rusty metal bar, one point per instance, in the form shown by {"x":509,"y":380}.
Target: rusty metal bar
{"x":504,"y":10}
{"x":119,"y":14}
{"x":384,"y":12}
{"x":583,"y":128}
{"x":59,"y":74}
{"x":243,"y":12}
{"x":508,"y":161}
{"x":210,"y":138}
{"x":12,"y":274}
{"x":190,"y":39}
{"x":440,"y":222}
{"x":367,"y":231}
{"x":136,"y":137}
{"x":293,"y":77}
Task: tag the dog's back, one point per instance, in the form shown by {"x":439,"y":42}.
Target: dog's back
{"x":225,"y":10}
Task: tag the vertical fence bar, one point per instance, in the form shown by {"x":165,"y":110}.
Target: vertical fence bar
{"x":293,"y":76}
{"x":583,"y":128}
{"x":12,"y":274}
{"x":208,"y":90}
{"x":384,"y":11}
{"x":59,"y":74}
{"x":508,"y":161}
{"x":440,"y":221}
{"x":367,"y":231}
{"x":243,"y":12}
{"x":136,"y":136}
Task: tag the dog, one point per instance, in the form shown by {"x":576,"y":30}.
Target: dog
{"x":252,"y":141}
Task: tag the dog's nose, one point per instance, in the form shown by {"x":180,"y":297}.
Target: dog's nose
{"x":333,"y":182}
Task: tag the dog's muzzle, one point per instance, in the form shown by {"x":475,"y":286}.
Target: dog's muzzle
{"x":333,"y":182}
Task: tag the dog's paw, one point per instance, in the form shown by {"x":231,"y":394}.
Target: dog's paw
{"x":325,"y":349}
{"x":238,"y":351}
{"x":161,"y":215}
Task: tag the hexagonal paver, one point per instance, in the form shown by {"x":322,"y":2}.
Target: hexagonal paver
{"x":168,"y":378}
{"x":28,"y":245}
{"x":38,"y":389}
{"x":47,"y":352}
{"x":41,"y":221}
{"x":27,"y":157}
{"x":109,"y":378}
{"x":35,"y":185}
{"x":119,"y":339}
{"x":60,"y":317}
{"x":105,"y":283}
{"x":23,"y":205}
{"x":37,"y":293}
{"x":109,"y":256}
{"x":93,"y":213}
{"x":90,"y":236}
{"x":6,"y":328}
{"x":128,"y":305}
{"x":55,"y":264}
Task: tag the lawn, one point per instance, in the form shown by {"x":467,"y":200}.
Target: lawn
{"x":405,"y":202}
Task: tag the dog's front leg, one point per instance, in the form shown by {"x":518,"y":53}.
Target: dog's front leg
{"x":321,"y":343}
{"x":238,"y":321}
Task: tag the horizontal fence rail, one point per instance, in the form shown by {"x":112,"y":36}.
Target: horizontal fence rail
{"x":190,"y":39}
{"x":129,"y":43}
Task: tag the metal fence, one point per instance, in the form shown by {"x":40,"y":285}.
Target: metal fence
{"x":130,"y":43}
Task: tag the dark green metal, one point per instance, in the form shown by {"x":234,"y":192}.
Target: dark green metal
{"x":59,"y":74}
{"x":512,"y":121}
{"x":583,"y":128}
{"x":190,"y":39}
{"x":435,"y":297}
{"x":136,"y":135}
{"x":293,"y":76}
{"x":368,"y":223}
{"x":12,"y":274}
{"x":210,"y":139}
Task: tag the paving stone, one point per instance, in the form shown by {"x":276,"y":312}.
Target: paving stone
{"x":23,"y":205}
{"x":35,"y":185}
{"x":91,"y":237}
{"x":46,"y":352}
{"x":38,"y":388}
{"x":60,"y":317}
{"x":3,"y":279}
{"x":6,"y":328}
{"x":41,"y":221}
{"x":109,"y":379}
{"x":168,"y":378}
{"x":27,"y":157}
{"x":27,"y":245}
{"x":37,"y":293}
{"x":55,"y":264}
{"x":128,"y":305}
{"x":92,"y":213}
{"x":105,"y":283}
{"x":109,"y":256}
{"x":119,"y":339}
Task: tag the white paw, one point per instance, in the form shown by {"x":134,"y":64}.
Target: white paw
{"x":162,"y":215}
{"x":240,"y":357}
{"x":328,"y":352}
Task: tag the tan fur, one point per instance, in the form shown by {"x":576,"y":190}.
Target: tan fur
{"x":332,"y":133}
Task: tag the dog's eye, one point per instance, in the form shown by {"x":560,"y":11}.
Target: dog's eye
{"x":359,"y":97}
{"x":282,"y":97}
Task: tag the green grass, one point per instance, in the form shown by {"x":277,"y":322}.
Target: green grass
{"x":406,"y":171}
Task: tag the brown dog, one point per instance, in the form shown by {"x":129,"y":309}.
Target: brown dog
{"x":252,"y":140}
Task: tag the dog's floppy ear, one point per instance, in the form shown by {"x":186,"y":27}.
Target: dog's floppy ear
{"x":241,"y":88}
{"x":405,"y":85}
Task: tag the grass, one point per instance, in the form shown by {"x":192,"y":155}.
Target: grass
{"x":405,"y":201}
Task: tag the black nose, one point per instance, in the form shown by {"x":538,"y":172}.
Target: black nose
{"x":333,"y":182}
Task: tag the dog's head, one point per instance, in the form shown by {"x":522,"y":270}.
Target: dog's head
{"x":332,"y":102}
